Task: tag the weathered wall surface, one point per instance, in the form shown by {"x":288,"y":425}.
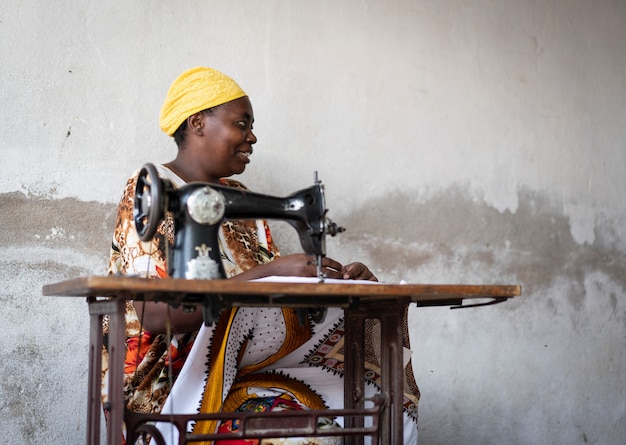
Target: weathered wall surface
{"x":460,"y":142}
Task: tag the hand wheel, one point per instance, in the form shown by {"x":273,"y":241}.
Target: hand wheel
{"x":148,"y":208}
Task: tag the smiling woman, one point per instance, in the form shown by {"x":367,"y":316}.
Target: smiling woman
{"x":258,"y":359}
{"x":221,"y":144}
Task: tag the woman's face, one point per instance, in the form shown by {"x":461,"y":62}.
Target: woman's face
{"x":227,"y":139}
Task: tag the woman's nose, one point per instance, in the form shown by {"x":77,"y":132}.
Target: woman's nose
{"x":251,"y":138}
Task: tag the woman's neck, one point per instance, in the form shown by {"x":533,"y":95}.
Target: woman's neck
{"x":188,"y":173}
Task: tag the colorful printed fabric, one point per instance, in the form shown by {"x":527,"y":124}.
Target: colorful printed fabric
{"x":329,"y":354}
{"x":273,"y":404}
{"x":266,"y":353}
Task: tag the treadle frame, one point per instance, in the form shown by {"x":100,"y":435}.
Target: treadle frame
{"x":360,"y":302}
{"x":263,"y":425}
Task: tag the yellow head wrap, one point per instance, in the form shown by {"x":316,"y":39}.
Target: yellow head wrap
{"x":195,"y":90}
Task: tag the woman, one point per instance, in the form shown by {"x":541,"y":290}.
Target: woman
{"x":257,"y":357}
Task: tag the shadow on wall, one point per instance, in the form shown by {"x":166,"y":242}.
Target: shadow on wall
{"x":447,"y":238}
{"x":63,"y":223}
{"x":452,"y":238}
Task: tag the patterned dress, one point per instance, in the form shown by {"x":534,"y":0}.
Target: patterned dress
{"x":252,"y":359}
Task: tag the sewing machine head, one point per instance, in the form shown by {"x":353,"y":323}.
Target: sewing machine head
{"x":199,"y":209}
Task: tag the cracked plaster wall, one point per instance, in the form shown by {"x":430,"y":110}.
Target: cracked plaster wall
{"x":459,"y":142}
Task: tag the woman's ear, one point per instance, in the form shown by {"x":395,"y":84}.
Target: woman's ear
{"x":195,"y":123}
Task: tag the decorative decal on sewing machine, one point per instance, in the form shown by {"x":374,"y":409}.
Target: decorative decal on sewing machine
{"x":203,"y":267}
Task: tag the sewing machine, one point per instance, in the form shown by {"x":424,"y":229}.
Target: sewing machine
{"x":199,"y":209}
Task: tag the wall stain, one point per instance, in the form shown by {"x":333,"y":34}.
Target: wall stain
{"x":451,"y":230}
{"x":533,"y":246}
{"x":30,"y":220}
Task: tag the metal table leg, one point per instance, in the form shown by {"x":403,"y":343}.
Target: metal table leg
{"x":97,"y":309}
{"x":95,"y":372}
{"x":391,"y":318}
{"x":392,"y":371}
{"x":354,"y":372}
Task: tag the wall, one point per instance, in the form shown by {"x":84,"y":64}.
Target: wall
{"x":459,"y":142}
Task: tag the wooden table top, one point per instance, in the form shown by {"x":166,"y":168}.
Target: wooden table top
{"x":331,"y":292}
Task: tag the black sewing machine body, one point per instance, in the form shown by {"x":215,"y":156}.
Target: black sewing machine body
{"x":199,"y":209}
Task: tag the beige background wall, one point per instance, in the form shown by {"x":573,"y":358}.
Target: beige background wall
{"x":460,"y":142}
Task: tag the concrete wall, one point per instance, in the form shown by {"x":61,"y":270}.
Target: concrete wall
{"x":460,"y":142}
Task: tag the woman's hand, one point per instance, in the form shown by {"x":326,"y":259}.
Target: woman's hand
{"x":357,"y":271}
{"x":296,"y":265}
{"x":302,"y":265}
